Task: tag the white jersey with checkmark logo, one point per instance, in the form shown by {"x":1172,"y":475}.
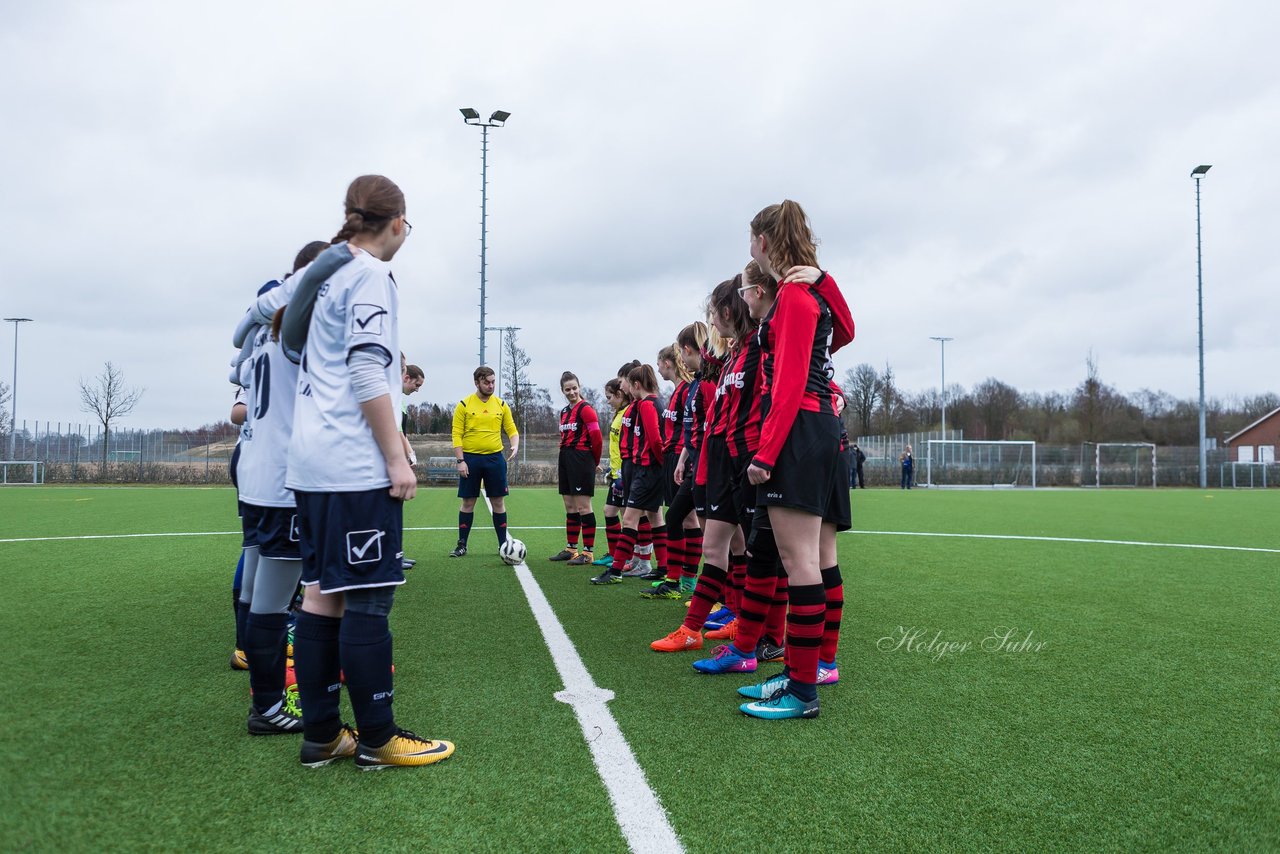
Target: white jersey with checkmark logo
{"x":332,"y":447}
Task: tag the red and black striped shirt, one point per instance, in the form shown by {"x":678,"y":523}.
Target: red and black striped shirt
{"x":626,"y":434}
{"x":795,"y":342}
{"x":740,"y":387}
{"x":672,"y":423}
{"x":580,"y":429}
{"x":646,"y":447}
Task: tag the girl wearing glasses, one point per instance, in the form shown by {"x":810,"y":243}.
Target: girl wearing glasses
{"x":348,"y":471}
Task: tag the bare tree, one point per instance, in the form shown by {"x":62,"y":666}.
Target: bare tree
{"x":107,"y":398}
{"x":515,"y":378}
{"x":892,"y":403}
{"x":997,"y":403}
{"x":4,"y":413}
{"x":862,"y":388}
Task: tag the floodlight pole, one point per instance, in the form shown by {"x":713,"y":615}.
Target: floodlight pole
{"x":13,"y":417}
{"x":497,"y":120}
{"x":943,"y":341}
{"x":1197,"y":174}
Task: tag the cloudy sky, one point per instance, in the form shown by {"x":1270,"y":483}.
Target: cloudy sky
{"x":1011,"y":174}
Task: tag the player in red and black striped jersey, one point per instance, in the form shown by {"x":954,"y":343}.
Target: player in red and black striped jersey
{"x":724,"y":547}
{"x":684,"y":549}
{"x":644,"y":491}
{"x":799,"y":442}
{"x":580,"y":446}
{"x":670,"y":425}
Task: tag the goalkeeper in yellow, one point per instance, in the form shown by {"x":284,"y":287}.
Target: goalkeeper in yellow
{"x":479,"y":420}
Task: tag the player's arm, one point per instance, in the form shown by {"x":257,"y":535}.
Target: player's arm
{"x":650,"y":431}
{"x":382,"y":420}
{"x":594,"y":437}
{"x":509,"y":427}
{"x":239,"y":413}
{"x":459,"y":430}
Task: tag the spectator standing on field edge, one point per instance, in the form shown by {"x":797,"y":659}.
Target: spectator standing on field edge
{"x":908,"y":467}
{"x":857,"y":481}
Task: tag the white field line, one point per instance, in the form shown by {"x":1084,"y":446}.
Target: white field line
{"x":1080,"y":540}
{"x":640,"y":815}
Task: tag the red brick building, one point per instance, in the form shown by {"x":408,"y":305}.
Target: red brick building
{"x":1259,"y":441}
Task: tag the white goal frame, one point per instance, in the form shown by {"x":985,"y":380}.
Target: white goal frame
{"x":943,"y":443}
{"x":1250,"y":466}
{"x":1097,"y":462}
{"x":37,"y":472}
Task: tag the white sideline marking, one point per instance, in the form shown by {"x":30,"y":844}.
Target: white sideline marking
{"x":640,"y":815}
{"x":867,"y":533}
{"x":1067,"y":540}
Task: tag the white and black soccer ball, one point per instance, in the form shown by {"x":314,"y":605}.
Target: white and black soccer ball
{"x":512,"y":552}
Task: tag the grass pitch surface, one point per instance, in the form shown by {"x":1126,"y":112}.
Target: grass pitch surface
{"x":1133,"y":703}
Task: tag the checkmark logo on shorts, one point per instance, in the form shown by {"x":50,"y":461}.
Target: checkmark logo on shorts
{"x":293,"y":528}
{"x":364,"y":546}
{"x":366,"y":319}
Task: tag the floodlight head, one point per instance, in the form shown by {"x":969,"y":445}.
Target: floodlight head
{"x":499,"y":116}
{"x":469,"y":114}
{"x":17,"y":320}
{"x":1200,"y":170}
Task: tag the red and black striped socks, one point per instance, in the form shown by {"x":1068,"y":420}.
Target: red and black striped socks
{"x":806,"y":621}
{"x":705,"y":596}
{"x":834,"y":586}
{"x":588,"y":523}
{"x":572,"y":528}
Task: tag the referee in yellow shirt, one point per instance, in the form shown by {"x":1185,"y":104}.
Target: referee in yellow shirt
{"x":478,"y":424}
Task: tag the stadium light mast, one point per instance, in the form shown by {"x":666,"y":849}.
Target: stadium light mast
{"x":1198,"y":173}
{"x":13,"y":418}
{"x":497,"y":120}
{"x":943,"y":341}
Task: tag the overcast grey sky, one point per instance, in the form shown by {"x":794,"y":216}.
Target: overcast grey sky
{"x":1011,"y":174}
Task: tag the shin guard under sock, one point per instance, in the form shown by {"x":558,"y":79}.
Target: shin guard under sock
{"x":757,"y":599}
{"x":692,"y":551}
{"x":624,"y":550}
{"x":806,"y":618}
{"x":317,"y":666}
{"x":775,"y":626}
{"x":588,"y":531}
{"x":572,"y":528}
{"x":465,"y":521}
{"x":612,"y":530}
{"x":264,"y":649}
{"x":705,"y":596}
{"x":834,"y":585}
{"x":365,"y":644}
{"x":660,"y":548}
{"x":675,"y":554}
{"x":500,"y":527}
{"x":737,"y":579}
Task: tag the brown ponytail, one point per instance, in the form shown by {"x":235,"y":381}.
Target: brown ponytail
{"x":788,"y":236}
{"x":372,"y":202}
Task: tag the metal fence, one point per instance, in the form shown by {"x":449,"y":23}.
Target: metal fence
{"x":73,"y":452}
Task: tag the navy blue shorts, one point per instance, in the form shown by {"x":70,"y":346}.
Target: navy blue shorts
{"x":248,"y":524}
{"x":350,"y":540}
{"x":277,"y":532}
{"x":490,"y":468}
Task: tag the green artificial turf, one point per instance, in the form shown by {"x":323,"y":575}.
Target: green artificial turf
{"x":1146,"y":719}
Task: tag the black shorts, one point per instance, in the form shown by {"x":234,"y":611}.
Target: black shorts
{"x":700,"y":500}
{"x":645,"y":490}
{"x":277,"y":533}
{"x":577,"y":472}
{"x":730,"y":496}
{"x":669,"y":486}
{"x":490,"y":468}
{"x":248,"y":524}
{"x":802,"y":475}
{"x":839,"y":513}
{"x":350,"y":540}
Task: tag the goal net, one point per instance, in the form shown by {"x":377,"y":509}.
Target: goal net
{"x":972,"y":463}
{"x":1117,"y":464}
{"x":1244,"y":475}
{"x":18,"y":472}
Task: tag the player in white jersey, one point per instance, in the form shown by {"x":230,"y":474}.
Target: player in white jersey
{"x":350,"y":478}
{"x":270,"y":513}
